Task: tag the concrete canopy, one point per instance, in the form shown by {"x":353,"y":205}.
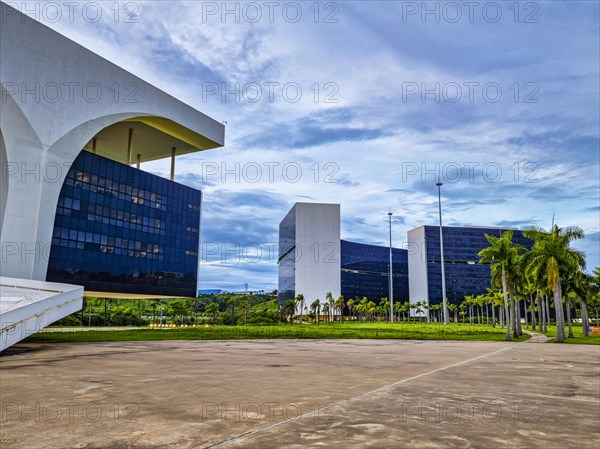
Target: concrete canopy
{"x":153,"y":138}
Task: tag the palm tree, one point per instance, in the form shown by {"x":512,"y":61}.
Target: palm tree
{"x":362,"y":306}
{"x":371,"y":309}
{"x":315,"y":308}
{"x":571,"y":282}
{"x":331,"y":302}
{"x":418,"y":308}
{"x":413,"y":306}
{"x":582,"y":288}
{"x":499,"y":255}
{"x":434,"y":308}
{"x":468,"y":302}
{"x":425,"y":305}
{"x":289,"y":309}
{"x":553,"y":258}
{"x":453,"y":308}
{"x":350,"y":305}
{"x":398,"y":309}
{"x":339,"y":305}
{"x":384,"y":304}
{"x":479,"y":301}
{"x":326,"y":311}
{"x":299,"y":299}
{"x":592,"y":300}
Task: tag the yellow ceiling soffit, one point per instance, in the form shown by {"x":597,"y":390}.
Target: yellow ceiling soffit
{"x":178,"y":131}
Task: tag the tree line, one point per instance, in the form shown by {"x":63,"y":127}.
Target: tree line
{"x":549,"y":276}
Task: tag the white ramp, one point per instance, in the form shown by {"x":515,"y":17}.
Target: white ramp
{"x":28,"y":306}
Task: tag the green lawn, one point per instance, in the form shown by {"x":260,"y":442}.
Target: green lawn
{"x":578,"y":336}
{"x":401,"y":331}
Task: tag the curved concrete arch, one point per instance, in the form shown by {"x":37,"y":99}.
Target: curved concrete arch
{"x":20,"y":153}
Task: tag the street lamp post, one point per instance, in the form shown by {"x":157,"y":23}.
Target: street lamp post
{"x":161,"y":309}
{"x":391,"y":280}
{"x":445,"y":306}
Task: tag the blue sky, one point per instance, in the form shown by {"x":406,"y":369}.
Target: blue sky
{"x":363,"y":104}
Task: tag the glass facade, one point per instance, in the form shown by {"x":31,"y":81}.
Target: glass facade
{"x":464,"y":274}
{"x":287,"y":257}
{"x":365,"y":271}
{"x":119,"y":229}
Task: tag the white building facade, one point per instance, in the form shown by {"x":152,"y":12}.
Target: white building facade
{"x":309,"y":252}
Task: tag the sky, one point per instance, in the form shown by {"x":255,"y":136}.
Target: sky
{"x":366,"y":104}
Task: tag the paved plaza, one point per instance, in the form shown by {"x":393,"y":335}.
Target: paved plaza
{"x":299,"y":394}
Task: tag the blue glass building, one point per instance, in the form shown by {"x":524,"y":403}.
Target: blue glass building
{"x":119,"y":229}
{"x":365,"y":272}
{"x":464,"y":274}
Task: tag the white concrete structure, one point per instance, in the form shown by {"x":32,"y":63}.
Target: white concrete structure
{"x":58,"y":98}
{"x":310,"y":252}
{"x":28,"y":306}
{"x":418,"y":286}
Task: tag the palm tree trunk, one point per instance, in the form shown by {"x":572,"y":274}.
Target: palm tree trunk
{"x":532,"y":307}
{"x":584,"y":318}
{"x":518,"y":306}
{"x":538,"y":301}
{"x":545,"y":315}
{"x":513,"y":314}
{"x":517,"y":313}
{"x":493,"y":315}
{"x":568,"y":306}
{"x":542,"y":308}
{"x":508,"y":337}
{"x":547,"y":305}
{"x":560,"y":320}
{"x":525,"y":312}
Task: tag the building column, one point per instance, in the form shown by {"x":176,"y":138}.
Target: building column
{"x":173,"y":151}
{"x":94,"y":145}
{"x":129,"y":146}
{"x":139,"y":161}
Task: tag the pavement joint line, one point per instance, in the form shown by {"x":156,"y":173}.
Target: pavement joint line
{"x":564,"y":398}
{"x":250,"y":433}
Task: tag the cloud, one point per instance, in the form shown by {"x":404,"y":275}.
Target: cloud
{"x":519,"y":224}
{"x":547,"y":151}
{"x":592,"y":209}
{"x":319,"y":128}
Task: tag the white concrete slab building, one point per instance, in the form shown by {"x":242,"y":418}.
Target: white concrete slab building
{"x":309,"y":252}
